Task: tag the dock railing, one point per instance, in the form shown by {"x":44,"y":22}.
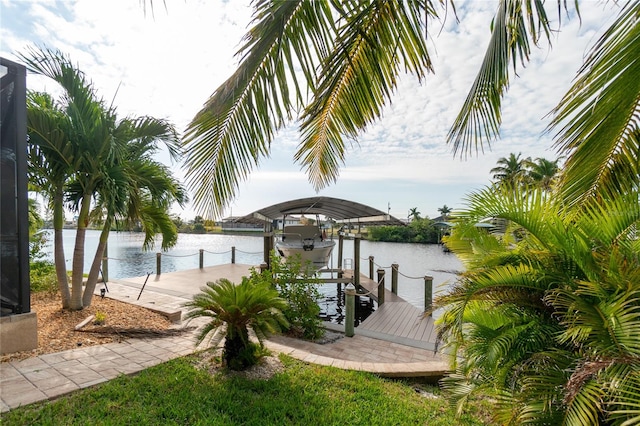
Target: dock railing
{"x":395,"y":272}
{"x":348,"y":264}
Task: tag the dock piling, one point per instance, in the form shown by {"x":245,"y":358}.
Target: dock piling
{"x":350,"y":296}
{"x":394,"y":278}
{"x":371,"y":263}
{"x":158,"y":263}
{"x":381,"y":274}
{"x":428,"y":294}
{"x":356,"y":260}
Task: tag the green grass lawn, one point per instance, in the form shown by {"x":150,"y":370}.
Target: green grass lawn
{"x":178,"y":393}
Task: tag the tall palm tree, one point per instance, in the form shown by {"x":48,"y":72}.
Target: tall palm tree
{"x":52,"y":159}
{"x":92,"y":155}
{"x":140,"y":189}
{"x":511,"y":170}
{"x":547,"y":323}
{"x":88,"y":139}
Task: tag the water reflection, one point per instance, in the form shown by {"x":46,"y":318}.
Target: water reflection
{"x":332,"y":305}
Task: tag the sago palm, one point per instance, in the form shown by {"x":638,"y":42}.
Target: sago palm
{"x":231,"y":310}
{"x":548,"y":323}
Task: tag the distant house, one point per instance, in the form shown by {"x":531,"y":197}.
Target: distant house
{"x":289,"y":220}
{"x":229,"y":224}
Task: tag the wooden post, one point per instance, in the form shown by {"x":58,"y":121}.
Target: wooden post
{"x":381,"y":274}
{"x":263,"y":267}
{"x":356,"y":261}
{"x":371,"y":262}
{"x":350,"y":302}
{"x":158,"y":263}
{"x":267,"y":246}
{"x":201,"y":259}
{"x":340,"y":247}
{"x":428,"y":294}
{"x":233,"y":255}
{"x":394,"y":278}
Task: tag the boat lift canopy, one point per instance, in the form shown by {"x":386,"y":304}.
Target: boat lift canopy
{"x":341,"y":211}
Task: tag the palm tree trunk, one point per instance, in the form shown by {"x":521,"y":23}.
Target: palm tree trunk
{"x":78,"y":254}
{"x":95,"y":266}
{"x":235,"y":344}
{"x":58,"y":250}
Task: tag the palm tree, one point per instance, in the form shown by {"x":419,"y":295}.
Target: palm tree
{"x":350,"y":78}
{"x":543,"y":173}
{"x":140,"y":189}
{"x":603,"y":157}
{"x":547,"y":323}
{"x":444,"y":212}
{"x":92,"y":154}
{"x":87,"y":132}
{"x":511,"y":170}
{"x":350,"y":56}
{"x":231,"y":309}
{"x":414,"y":214}
{"x":52,"y":159}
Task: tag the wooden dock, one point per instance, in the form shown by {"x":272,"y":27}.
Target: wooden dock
{"x":396,"y":320}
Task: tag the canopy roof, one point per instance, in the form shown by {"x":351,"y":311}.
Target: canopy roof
{"x":342,"y":211}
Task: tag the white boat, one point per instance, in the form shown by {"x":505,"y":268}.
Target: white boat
{"x":308,"y":242}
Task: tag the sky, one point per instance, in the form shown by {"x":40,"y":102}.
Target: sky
{"x":167,"y":61}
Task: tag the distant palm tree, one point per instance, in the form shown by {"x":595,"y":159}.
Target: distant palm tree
{"x":543,"y":173}
{"x":231,"y":310}
{"x":414,"y":214}
{"x":511,"y":170}
{"x":444,"y":212}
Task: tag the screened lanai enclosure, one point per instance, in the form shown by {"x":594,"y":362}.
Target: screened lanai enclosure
{"x":17,"y":323}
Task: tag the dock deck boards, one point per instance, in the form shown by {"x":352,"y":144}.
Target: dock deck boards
{"x":396,"y":319}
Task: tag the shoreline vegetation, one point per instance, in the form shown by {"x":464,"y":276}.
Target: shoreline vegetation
{"x":419,"y":231}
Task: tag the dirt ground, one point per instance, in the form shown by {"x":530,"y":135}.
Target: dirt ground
{"x":56,"y":327}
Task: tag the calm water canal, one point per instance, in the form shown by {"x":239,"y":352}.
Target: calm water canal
{"x":126,"y":259}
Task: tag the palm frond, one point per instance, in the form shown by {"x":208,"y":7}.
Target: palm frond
{"x":624,"y":406}
{"x":375,"y":43}
{"x":600,"y":114}
{"x":234,"y":129}
{"x":516,"y":24}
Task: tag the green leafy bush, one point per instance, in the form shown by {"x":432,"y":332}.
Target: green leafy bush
{"x":296,"y":283}
{"x":418,"y":231}
{"x":43,"y":276}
